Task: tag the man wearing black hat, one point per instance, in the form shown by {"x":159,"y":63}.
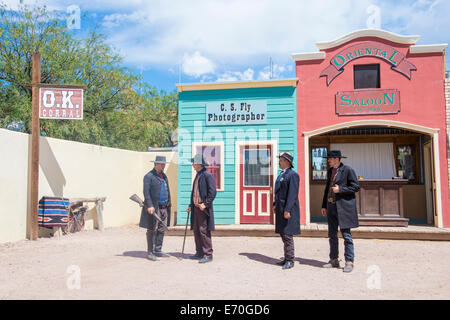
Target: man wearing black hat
{"x":157,"y":201}
{"x":202,"y":218}
{"x":339,"y":206}
{"x":287,"y":209}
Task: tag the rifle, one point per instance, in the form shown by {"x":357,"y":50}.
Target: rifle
{"x":136,"y":198}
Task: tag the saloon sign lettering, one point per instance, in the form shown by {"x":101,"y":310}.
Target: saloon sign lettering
{"x":60,"y":103}
{"x":367,"y":49}
{"x":364,"y":102}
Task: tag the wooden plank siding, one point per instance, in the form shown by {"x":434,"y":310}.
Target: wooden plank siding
{"x":281,"y":126}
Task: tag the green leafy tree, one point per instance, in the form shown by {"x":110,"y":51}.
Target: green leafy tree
{"x":119,"y":111}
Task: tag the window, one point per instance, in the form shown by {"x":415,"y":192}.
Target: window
{"x":319,"y":163}
{"x":366,"y":76}
{"x":214,"y":156}
{"x":405,"y":162}
{"x":257,"y":167}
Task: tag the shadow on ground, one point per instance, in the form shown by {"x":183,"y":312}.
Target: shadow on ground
{"x":143,"y":254}
{"x":269,"y":260}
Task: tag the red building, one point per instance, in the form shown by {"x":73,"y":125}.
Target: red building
{"x":380,"y":99}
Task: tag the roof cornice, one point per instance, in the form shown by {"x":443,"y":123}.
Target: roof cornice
{"x":237,"y":85}
{"x":378,"y":33}
{"x":308,"y":56}
{"x":428,"y":48}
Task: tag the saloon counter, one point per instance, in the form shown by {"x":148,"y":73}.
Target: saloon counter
{"x":240,"y":127}
{"x":379,"y":98}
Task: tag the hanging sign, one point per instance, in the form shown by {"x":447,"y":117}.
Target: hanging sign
{"x":368,"y":49}
{"x":236,"y":113}
{"x":365,"y":102}
{"x":60,"y":103}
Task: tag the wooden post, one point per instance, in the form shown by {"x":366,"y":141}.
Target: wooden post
{"x":35,"y":133}
{"x":99,"y":205}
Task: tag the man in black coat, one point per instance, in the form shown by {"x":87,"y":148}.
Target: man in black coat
{"x":339,"y":206}
{"x":202,"y":218}
{"x":287,"y":209}
{"x":157,"y":201}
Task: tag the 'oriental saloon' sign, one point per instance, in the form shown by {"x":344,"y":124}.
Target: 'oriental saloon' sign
{"x":364,"y":102}
{"x":60,"y":103}
{"x":367,"y":49}
{"x":236,"y":113}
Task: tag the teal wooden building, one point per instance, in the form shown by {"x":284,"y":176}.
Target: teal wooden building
{"x":240,"y":127}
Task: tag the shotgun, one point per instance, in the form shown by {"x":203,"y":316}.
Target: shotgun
{"x":136,"y":198}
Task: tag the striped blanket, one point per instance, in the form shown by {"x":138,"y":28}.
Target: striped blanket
{"x":53,"y":211}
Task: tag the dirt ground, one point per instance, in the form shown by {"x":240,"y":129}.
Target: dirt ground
{"x":112,"y":265}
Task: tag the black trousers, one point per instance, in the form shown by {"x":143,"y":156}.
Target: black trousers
{"x":202,"y":236}
{"x":288,"y":241}
{"x":155,"y":236}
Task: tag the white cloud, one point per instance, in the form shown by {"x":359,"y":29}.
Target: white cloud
{"x":221,"y":35}
{"x":196,"y":65}
{"x":276,"y":72}
{"x":227,"y":76}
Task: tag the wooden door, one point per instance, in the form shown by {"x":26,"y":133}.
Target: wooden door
{"x":256,"y":180}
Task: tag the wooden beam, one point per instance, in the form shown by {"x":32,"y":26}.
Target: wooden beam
{"x":35,"y":133}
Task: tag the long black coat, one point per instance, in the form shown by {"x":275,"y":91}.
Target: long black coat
{"x":286,"y":199}
{"x":152,"y":190}
{"x":207,"y":189}
{"x":348,"y":184}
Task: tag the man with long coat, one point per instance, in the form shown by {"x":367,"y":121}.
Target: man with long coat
{"x":202,"y":218}
{"x":157,"y":201}
{"x":339,"y":206}
{"x":287,"y":208}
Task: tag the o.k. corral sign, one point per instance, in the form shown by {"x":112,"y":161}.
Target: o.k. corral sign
{"x":365,"y":102}
{"x":60,"y":103}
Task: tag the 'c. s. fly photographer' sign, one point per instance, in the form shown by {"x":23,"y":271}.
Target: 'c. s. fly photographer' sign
{"x":236,"y":113}
{"x":60,"y":103}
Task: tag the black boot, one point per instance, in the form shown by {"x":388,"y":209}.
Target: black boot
{"x":151,"y":235}
{"x":158,"y":246}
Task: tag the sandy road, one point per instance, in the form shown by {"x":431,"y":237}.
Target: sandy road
{"x":112,"y":265}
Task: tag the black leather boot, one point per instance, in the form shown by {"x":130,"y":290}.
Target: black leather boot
{"x":158,"y":246}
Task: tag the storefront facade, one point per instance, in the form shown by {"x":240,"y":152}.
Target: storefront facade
{"x":240,"y":128}
{"x":379,"y":98}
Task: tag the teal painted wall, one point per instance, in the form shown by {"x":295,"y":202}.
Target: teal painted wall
{"x":281,"y":125}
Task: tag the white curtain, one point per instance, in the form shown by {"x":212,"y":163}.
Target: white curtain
{"x":369,"y":160}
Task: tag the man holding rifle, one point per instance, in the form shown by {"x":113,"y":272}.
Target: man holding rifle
{"x":202,"y":218}
{"x":157,"y":202}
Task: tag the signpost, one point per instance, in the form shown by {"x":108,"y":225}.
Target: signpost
{"x":48,"y":101}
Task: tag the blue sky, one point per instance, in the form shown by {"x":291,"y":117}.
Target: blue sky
{"x":234,"y":40}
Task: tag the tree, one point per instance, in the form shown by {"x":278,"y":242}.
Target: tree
{"x":116,"y":113}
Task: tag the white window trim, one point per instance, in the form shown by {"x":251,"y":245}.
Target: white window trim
{"x":237,"y":146}
{"x":220,"y":144}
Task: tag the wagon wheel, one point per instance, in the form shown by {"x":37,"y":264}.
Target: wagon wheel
{"x":66,"y":229}
{"x":78,"y":222}
{"x":70,"y":223}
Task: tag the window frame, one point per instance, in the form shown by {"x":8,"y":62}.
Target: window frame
{"x":219,"y":187}
{"x":364,"y":65}
{"x":311,"y":167}
{"x":413,"y":147}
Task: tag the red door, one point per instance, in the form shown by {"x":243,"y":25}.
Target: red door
{"x":256,"y":180}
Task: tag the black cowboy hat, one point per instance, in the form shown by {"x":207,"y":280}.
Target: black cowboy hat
{"x":334,"y":154}
{"x":199,"y":159}
{"x":288,"y":157}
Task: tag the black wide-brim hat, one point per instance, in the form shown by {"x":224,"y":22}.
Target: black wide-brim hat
{"x":334,"y":154}
{"x":288,"y":157}
{"x":199,"y":159}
